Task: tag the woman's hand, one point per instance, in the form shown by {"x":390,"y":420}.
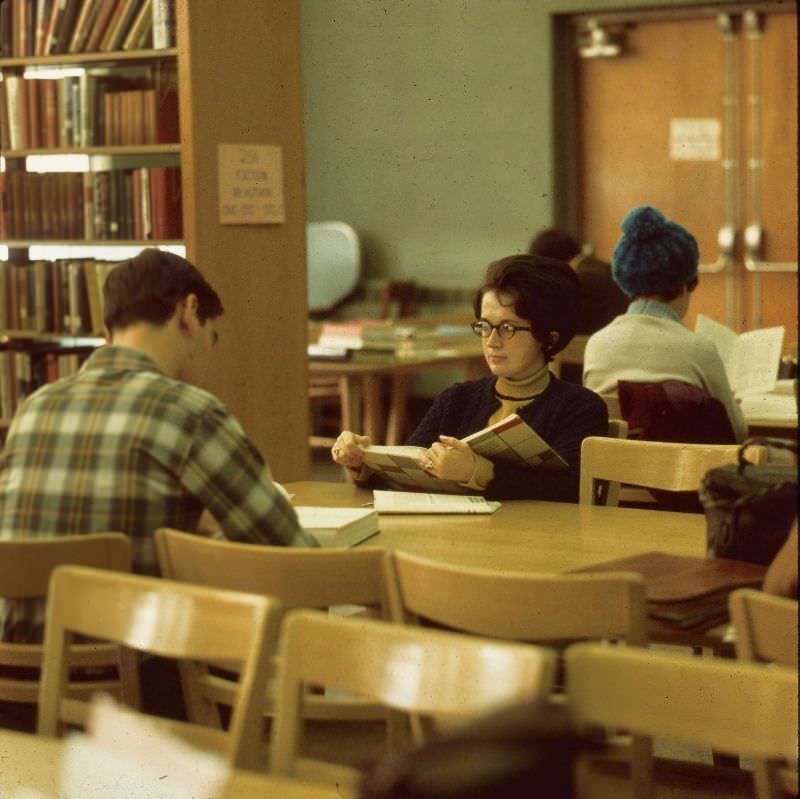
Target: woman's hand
{"x":349,"y":450}
{"x":450,"y":459}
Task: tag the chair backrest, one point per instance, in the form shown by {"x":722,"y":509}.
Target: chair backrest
{"x":304,"y":578}
{"x":299,"y":578}
{"x":766,"y":626}
{"x":167,"y":619}
{"x":514,"y":605}
{"x":617,"y":428}
{"x":613,"y":406}
{"x":571,"y":354}
{"x":410,"y":670}
{"x":766,"y":631}
{"x":653,"y":464}
{"x":730,"y":707}
{"x":333,"y":256}
{"x":25,"y":568}
{"x":672,"y":410}
{"x":398,"y":299}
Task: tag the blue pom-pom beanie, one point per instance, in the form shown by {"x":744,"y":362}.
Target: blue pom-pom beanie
{"x":654,"y":255}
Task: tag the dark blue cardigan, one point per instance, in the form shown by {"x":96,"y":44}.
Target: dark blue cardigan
{"x":563,"y":415}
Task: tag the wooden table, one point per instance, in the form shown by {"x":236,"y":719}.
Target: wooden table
{"x":534,"y":536}
{"x":362,"y":387}
{"x":523,"y":535}
{"x":34,"y":762}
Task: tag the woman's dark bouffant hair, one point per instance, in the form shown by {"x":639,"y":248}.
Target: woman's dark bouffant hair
{"x":148,"y":287}
{"x":545,"y":291}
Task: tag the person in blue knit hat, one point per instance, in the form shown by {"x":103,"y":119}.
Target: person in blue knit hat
{"x":655,"y":264}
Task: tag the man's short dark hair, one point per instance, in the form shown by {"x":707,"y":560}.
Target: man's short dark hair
{"x":148,"y":287}
{"x":546,"y":293}
{"x":554,"y":244}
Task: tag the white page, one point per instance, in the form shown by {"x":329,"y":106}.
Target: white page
{"x":757,"y":360}
{"x":418,"y":502}
{"x":723,"y":338}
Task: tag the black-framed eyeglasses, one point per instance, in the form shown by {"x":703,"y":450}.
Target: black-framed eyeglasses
{"x":506,"y":330}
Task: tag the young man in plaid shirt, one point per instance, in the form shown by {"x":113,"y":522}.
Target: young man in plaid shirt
{"x":130,"y":443}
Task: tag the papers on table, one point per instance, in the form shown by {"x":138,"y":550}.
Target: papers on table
{"x":417,"y":502}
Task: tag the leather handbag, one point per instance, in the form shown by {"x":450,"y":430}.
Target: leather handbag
{"x":750,"y":509}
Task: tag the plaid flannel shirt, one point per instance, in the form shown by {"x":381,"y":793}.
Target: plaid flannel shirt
{"x":121,"y":447}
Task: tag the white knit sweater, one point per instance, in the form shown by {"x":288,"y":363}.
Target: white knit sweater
{"x":645,"y":348}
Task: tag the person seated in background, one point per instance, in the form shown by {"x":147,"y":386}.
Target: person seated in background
{"x":655,"y":263}
{"x":526,"y":310}
{"x":601,"y":298}
{"x":129,"y":444}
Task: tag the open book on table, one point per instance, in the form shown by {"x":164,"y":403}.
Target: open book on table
{"x":511,"y":440}
{"x":338,"y":527}
{"x":751,"y":359}
{"x":419,"y":502}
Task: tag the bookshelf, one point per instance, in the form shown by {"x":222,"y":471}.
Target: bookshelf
{"x":238,"y":82}
{"x":62,"y":97}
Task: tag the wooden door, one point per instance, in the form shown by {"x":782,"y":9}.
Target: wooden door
{"x":698,"y":117}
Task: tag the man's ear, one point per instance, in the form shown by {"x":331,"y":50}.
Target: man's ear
{"x":186,"y":311}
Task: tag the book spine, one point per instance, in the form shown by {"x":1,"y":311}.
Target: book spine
{"x":52,"y":26}
{"x":15,"y":103}
{"x":32,"y":129}
{"x":42,"y":16}
{"x":99,"y":28}
{"x":147,"y":221}
{"x":88,"y":206}
{"x":50,"y":112}
{"x":143,"y":19}
{"x":162,"y":24}
{"x":80,"y":30}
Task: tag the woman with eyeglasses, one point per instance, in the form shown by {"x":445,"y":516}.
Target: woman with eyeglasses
{"x":655,"y":263}
{"x":526,"y":312}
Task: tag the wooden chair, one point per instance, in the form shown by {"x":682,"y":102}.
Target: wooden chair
{"x":410,"y":670}
{"x":766,"y":632}
{"x":489,"y":603}
{"x":652,"y":464}
{"x":167,"y":619}
{"x":398,"y":298}
{"x":25,"y":568}
{"x":572,"y":354}
{"x":728,"y":706}
{"x":299,"y":578}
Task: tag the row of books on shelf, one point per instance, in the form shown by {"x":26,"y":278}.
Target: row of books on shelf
{"x":139,"y":204}
{"x":52,"y":27}
{"x":367,"y":339}
{"x":20,"y":374}
{"x":63,"y":297}
{"x":88,"y":110}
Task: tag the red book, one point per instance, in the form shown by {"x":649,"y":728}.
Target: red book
{"x":137,"y":205}
{"x":158,"y":206}
{"x":100,"y":25}
{"x":34,"y":131}
{"x":49,"y":92}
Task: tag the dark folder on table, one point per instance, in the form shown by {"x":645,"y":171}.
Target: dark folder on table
{"x":686,"y":592}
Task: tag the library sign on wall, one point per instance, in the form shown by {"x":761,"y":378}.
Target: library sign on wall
{"x":250,"y":184}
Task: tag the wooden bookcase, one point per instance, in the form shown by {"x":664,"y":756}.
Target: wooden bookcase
{"x":239,"y":82}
